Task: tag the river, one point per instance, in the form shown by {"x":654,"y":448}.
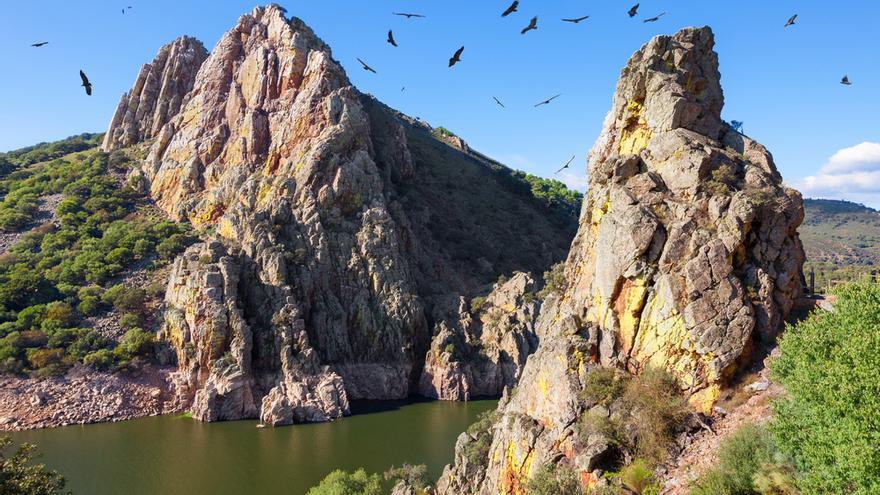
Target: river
{"x":180,"y":456}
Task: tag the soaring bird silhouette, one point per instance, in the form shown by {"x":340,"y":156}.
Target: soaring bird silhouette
{"x":42,"y":43}
{"x":498,"y":102}
{"x":86,"y":84}
{"x":845,"y":81}
{"x":510,"y":9}
{"x":576,"y":20}
{"x":456,"y":58}
{"x":532,"y":25}
{"x":790,"y":21}
{"x":407,"y":15}
{"x":547,"y":101}
{"x":633,"y":11}
{"x":367,"y":67}
{"x":655,"y":18}
{"x":391,"y":38}
{"x":566,"y":164}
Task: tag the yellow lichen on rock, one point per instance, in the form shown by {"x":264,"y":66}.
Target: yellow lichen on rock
{"x":636,"y":134}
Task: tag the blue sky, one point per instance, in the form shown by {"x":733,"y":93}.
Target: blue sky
{"x":783,"y":83}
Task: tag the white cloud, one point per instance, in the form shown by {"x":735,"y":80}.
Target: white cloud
{"x":574,"y":180}
{"x":852,"y":173}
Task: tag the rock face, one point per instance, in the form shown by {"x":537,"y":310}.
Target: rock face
{"x":341,"y":238}
{"x":686,"y":257}
{"x":157,"y":95}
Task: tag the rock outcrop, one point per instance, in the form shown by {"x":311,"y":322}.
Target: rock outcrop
{"x":686,"y":258}
{"x":338,"y":232}
{"x":157,"y":95}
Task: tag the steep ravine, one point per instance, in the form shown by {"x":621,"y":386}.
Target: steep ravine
{"x":345,"y":242}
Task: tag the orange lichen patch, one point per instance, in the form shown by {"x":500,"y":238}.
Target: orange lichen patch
{"x":515,"y":474}
{"x":628,"y":307}
{"x":635,"y":135}
{"x":588,"y":479}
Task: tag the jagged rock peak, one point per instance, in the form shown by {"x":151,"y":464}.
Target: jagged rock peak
{"x":159,"y":92}
{"x":687,"y":259}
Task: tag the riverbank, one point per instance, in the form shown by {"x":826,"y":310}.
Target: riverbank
{"x":84,"y":395}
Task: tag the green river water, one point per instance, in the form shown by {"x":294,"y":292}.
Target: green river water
{"x":175,"y":455}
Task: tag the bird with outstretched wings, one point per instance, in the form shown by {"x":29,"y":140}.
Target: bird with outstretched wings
{"x":566,"y":164}
{"x":85,"y":82}
{"x":655,"y":18}
{"x":510,"y":9}
{"x":533,"y":24}
{"x":38,"y":45}
{"x":576,"y":20}
{"x":407,"y":15}
{"x":547,"y":101}
{"x":633,"y":10}
{"x":367,"y":67}
{"x":498,"y":102}
{"x":391,"y":40}
{"x":456,"y":58}
{"x":791,"y":20}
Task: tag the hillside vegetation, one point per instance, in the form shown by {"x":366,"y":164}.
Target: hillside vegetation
{"x":65,"y":270}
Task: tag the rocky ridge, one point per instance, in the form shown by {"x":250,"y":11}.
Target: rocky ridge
{"x":687,"y":258}
{"x":341,"y":239}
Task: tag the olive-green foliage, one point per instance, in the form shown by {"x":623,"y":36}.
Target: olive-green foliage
{"x":477,"y":304}
{"x":342,"y":483}
{"x":20,"y":476}
{"x":554,"y":281}
{"x":637,"y":478}
{"x":46,"y":151}
{"x":554,"y":194}
{"x":650,"y":407}
{"x":57,"y":274}
{"x":829,"y":421}
{"x":722,"y":180}
{"x":477,"y":450}
{"x":748,"y":464}
{"x":442,"y":132}
{"x":414,"y":476}
{"x":553,"y":479}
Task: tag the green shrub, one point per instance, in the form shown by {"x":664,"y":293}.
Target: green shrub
{"x":477,"y":450}
{"x":341,"y":483}
{"x":414,"y":476}
{"x":554,"y":281}
{"x":101,"y":359}
{"x":638,"y":478}
{"x":136,"y":342}
{"x":656,"y":406}
{"x":130,"y":320}
{"x":19,"y":475}
{"x":477,"y":304}
{"x":603,"y":386}
{"x":829,"y":421}
{"x":553,"y":479}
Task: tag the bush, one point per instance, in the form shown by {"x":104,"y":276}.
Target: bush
{"x":414,"y":476}
{"x":101,"y":359}
{"x":341,"y":483}
{"x":136,"y":342}
{"x":656,"y":407}
{"x":638,"y":478}
{"x":477,"y":304}
{"x":828,"y":422}
{"x":748,"y":464}
{"x":553,"y":479}
{"x":554,"y":281}
{"x":20,"y":476}
{"x":603,"y":386}
{"x":477,"y":450}
{"x":130,"y":320}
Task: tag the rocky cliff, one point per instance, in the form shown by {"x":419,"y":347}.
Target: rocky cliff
{"x":157,"y":95}
{"x":687,"y":257}
{"x":342,"y":240}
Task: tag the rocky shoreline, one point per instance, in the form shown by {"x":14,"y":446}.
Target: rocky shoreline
{"x":84,"y":395}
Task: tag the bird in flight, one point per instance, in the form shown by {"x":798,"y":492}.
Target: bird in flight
{"x":547,"y":101}
{"x":407,"y":15}
{"x":367,"y":67}
{"x":510,"y":9}
{"x":791,"y":21}
{"x":456,"y":58}
{"x":845,"y":81}
{"x":633,"y":11}
{"x":86,"y":84}
{"x":532,"y":25}
{"x":576,"y":20}
{"x":391,"y":38}
{"x":42,"y":43}
{"x":566,"y":164}
{"x":498,"y":102}
{"x":655,"y":18}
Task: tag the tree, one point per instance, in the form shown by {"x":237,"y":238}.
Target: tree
{"x":341,"y":483}
{"x":829,"y":422}
{"x":19,"y":476}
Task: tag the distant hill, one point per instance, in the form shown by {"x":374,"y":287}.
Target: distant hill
{"x":841,"y":239}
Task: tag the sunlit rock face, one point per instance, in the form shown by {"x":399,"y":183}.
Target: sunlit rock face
{"x":687,"y":256}
{"x":340,"y":239}
{"x":157,"y":95}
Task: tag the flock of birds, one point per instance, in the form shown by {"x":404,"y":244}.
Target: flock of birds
{"x":456,"y":57}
